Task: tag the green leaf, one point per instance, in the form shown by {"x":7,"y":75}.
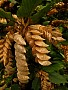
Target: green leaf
{"x":57,"y":78}
{"x":61,"y":88}
{"x":46,"y":23}
{"x":7,"y":89}
{"x":64,"y":42}
{"x":36,"y":84}
{"x":53,"y":67}
{"x":4,"y":14}
{"x":12,"y":1}
{"x":9,"y":79}
{"x":15,"y":87}
{"x":27,"y":7}
{"x":36,"y":17}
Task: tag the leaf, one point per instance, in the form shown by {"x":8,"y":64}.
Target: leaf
{"x":46,"y":23}
{"x":36,"y":84}
{"x":27,"y":7}
{"x":61,"y":88}
{"x":53,"y":67}
{"x":64,"y":43}
{"x":15,"y":87}
{"x":4,"y":14}
{"x":7,"y":89}
{"x":9,"y":79}
{"x":57,"y":78}
{"x":36,"y":17}
{"x":12,"y":1}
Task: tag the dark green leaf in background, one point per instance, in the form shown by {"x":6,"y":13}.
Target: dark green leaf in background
{"x":61,"y":88}
{"x":6,"y":15}
{"x":7,"y":89}
{"x":15,"y":87}
{"x":57,"y":78}
{"x":36,"y":84}
{"x":53,"y":67}
{"x":36,"y":17}
{"x":27,"y":7}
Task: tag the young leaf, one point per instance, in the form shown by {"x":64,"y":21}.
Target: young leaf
{"x":27,"y":7}
{"x":36,"y":84}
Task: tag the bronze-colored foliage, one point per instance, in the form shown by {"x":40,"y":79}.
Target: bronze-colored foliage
{"x":3,"y":20}
{"x":1,"y":49}
{"x":45,"y":83}
{"x":3,"y":87}
{"x":36,"y":41}
{"x":22,"y":66}
{"x":7,"y":48}
{"x":58,"y":22}
{"x":38,"y":37}
{"x":7,"y":55}
{"x":65,"y":49}
{"x":53,"y":11}
{"x":58,"y":7}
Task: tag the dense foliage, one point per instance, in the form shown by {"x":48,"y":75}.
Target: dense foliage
{"x":39,"y":30}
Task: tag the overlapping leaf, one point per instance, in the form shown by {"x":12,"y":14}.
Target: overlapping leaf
{"x":4,"y":14}
{"x":57,"y":78}
{"x":27,"y":7}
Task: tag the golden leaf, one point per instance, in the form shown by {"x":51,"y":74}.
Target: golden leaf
{"x":56,"y":33}
{"x":1,"y":46}
{"x":23,"y":72}
{"x":31,"y":43}
{"x":35,"y":32}
{"x":34,"y":50}
{"x":24,"y":81}
{"x":19,"y":48}
{"x":48,"y":35}
{"x":1,"y":41}
{"x":42,"y":50}
{"x":5,"y":49}
{"x":28,"y":36}
{"x":7,"y":45}
{"x":21,"y":63}
{"x":22,"y":68}
{"x":1,"y":55}
{"x":41,"y":44}
{"x":22,"y":77}
{"x":53,"y":11}
{"x":44,"y":63}
{"x":18,"y":39}
{"x":45,"y":83}
{"x":37,"y":37}
{"x":54,"y":38}
{"x":20,"y":56}
{"x":42,"y":57}
{"x":60,"y":39}
{"x":1,"y":51}
{"x":8,"y":41}
{"x":5,"y":61}
{"x":35,"y":27}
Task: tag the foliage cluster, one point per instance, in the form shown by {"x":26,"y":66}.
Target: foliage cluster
{"x":35,"y":12}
